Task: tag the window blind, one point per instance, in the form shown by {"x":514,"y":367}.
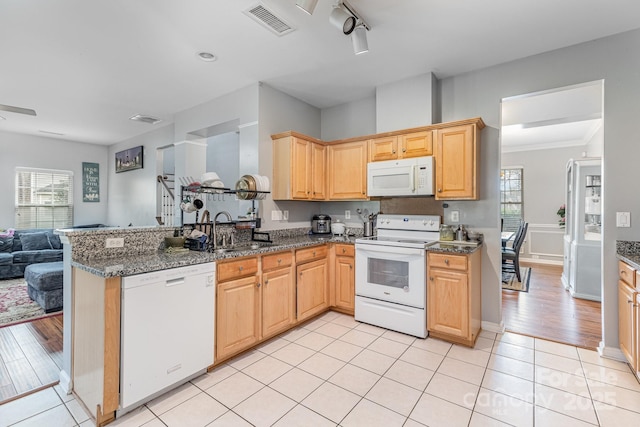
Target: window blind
{"x":43,"y":198}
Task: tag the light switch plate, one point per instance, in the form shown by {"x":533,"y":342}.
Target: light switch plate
{"x":455,"y":216}
{"x":347,"y":214}
{"x":623,"y":219}
{"x":285,"y":215}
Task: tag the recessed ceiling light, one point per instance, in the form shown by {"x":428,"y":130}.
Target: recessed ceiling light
{"x":207,"y":57}
{"x":145,"y":119}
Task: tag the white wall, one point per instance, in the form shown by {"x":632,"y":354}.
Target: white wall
{"x":349,"y":120}
{"x":49,"y":153}
{"x":544,"y":192}
{"x":478,"y":94}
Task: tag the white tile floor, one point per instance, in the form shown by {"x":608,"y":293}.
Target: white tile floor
{"x":335,"y":371}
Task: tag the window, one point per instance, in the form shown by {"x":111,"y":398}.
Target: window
{"x":511,"y":198}
{"x":44,"y":198}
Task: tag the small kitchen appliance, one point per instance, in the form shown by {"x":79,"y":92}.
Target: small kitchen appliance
{"x":321,"y":224}
{"x":391,"y":270}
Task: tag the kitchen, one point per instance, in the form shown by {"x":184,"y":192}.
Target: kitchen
{"x":477,"y":99}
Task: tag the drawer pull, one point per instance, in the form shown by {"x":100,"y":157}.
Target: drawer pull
{"x":344,"y":250}
{"x":446,"y":261}
{"x":314,"y":253}
{"x":431,"y":278}
{"x":623,"y":272}
{"x":240,"y":268}
{"x":279,"y":260}
{"x":439,"y":190}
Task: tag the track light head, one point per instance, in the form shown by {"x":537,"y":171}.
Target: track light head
{"x":307,"y":6}
{"x":359,"y":40}
{"x":342,"y":20}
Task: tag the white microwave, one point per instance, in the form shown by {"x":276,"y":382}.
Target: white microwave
{"x":406,"y":177}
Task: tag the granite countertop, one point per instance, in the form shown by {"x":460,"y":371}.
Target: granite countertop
{"x":629,"y":252}
{"x":145,"y":263}
{"x":457,"y":248}
{"x":632,"y":260}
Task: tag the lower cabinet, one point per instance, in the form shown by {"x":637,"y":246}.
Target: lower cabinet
{"x":628,"y":313}
{"x":278,"y":303}
{"x":453,"y":296}
{"x":345,"y":279}
{"x":312,"y":281}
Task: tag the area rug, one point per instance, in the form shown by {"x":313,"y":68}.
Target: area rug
{"x":15,"y":304}
{"x":510,"y":281}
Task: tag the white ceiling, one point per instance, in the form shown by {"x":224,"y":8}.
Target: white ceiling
{"x":561,"y":117}
{"x":87,"y":66}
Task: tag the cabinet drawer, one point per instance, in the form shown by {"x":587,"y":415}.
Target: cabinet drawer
{"x":233,"y":269}
{"x":455,"y":262}
{"x":281,"y":259}
{"x":345,"y":250}
{"x":315,"y":252}
{"x":627,"y":273}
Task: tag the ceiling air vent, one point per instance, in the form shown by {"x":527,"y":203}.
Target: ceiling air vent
{"x":268,"y":19}
{"x":145,"y":119}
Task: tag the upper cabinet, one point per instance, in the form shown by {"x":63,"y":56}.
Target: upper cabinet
{"x":456,"y":162}
{"x":299,"y":165}
{"x":347,"y":171}
{"x":305,"y":168}
{"x":414,"y":144}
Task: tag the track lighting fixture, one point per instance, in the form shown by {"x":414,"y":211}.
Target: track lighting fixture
{"x":342,"y":19}
{"x":359,"y":40}
{"x":307,"y":5}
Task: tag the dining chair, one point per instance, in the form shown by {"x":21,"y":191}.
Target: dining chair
{"x":513,"y":253}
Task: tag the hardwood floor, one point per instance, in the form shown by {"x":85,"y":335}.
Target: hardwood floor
{"x":30,"y":356}
{"x":548,"y":311}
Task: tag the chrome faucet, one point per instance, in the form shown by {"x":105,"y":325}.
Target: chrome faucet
{"x":215,"y":220}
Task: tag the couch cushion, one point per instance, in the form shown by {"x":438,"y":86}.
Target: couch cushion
{"x":5,"y":258}
{"x":6,"y":244}
{"x":54,"y":239}
{"x":31,"y":257}
{"x":17,"y":243}
{"x":35,"y":241}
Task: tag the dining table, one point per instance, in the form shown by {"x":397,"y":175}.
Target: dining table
{"x":505,"y":236}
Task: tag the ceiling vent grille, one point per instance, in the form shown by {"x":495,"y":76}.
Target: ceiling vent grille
{"x":145,"y":119}
{"x":268,"y":19}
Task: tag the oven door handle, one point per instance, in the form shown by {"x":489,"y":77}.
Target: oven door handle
{"x":390,"y":250}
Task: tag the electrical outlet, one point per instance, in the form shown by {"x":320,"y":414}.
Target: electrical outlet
{"x":455,"y":216}
{"x":276,"y":215}
{"x":285,"y":215}
{"x":347,"y":214}
{"x":114,"y":242}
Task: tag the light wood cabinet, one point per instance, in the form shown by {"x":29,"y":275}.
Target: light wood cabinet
{"x":299,"y":168}
{"x":347,"y":171}
{"x":278,"y":304}
{"x":456,"y":163}
{"x":453,"y":296}
{"x":237,"y":315}
{"x":414,"y":144}
{"x":312,"y":282}
{"x":628,"y":314}
{"x":344,"y":281}
{"x":253,"y":303}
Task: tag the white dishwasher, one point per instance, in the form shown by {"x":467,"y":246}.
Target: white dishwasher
{"x":167,"y":330}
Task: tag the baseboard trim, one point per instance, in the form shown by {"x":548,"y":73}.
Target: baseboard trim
{"x":541,"y":261}
{"x":611,"y":353}
{"x":492,"y":327}
{"x":65,"y":382}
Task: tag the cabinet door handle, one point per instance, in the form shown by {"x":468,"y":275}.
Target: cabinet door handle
{"x":314,"y":253}
{"x":404,"y":150}
{"x":431,"y":278}
{"x":622,"y":272}
{"x":350,"y":267}
{"x":393,"y":151}
{"x":266,"y":282}
{"x":439,"y":190}
{"x":258,"y":285}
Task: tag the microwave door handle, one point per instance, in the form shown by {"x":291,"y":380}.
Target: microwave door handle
{"x":413,"y":178}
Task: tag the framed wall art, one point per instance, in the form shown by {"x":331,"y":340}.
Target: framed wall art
{"x":90,"y":182}
{"x":130,"y":159}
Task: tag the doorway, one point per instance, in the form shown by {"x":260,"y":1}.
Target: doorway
{"x":540,"y":134}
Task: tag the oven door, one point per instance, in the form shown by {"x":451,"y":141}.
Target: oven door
{"x":393,"y":274}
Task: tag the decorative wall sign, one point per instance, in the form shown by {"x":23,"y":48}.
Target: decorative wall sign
{"x":130,"y":159}
{"x":90,"y":182}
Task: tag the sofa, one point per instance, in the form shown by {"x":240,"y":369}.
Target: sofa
{"x":25,"y":247}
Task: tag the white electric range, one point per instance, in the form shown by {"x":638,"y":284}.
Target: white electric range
{"x":391,"y":270}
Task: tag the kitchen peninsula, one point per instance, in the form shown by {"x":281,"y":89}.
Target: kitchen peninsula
{"x":275,"y":287}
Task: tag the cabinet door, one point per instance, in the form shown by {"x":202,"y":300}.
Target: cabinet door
{"x":416,"y":144}
{"x":237,"y":315}
{"x":448,"y":303}
{"x":455,"y":158}
{"x":312,"y":288}
{"x":626,"y":325}
{"x":318,"y":180}
{"x":345,"y":283}
{"x":347,"y":171}
{"x":300,"y":169}
{"x":277,"y":301}
{"x":636,"y":314}
{"x":383,"y":149}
